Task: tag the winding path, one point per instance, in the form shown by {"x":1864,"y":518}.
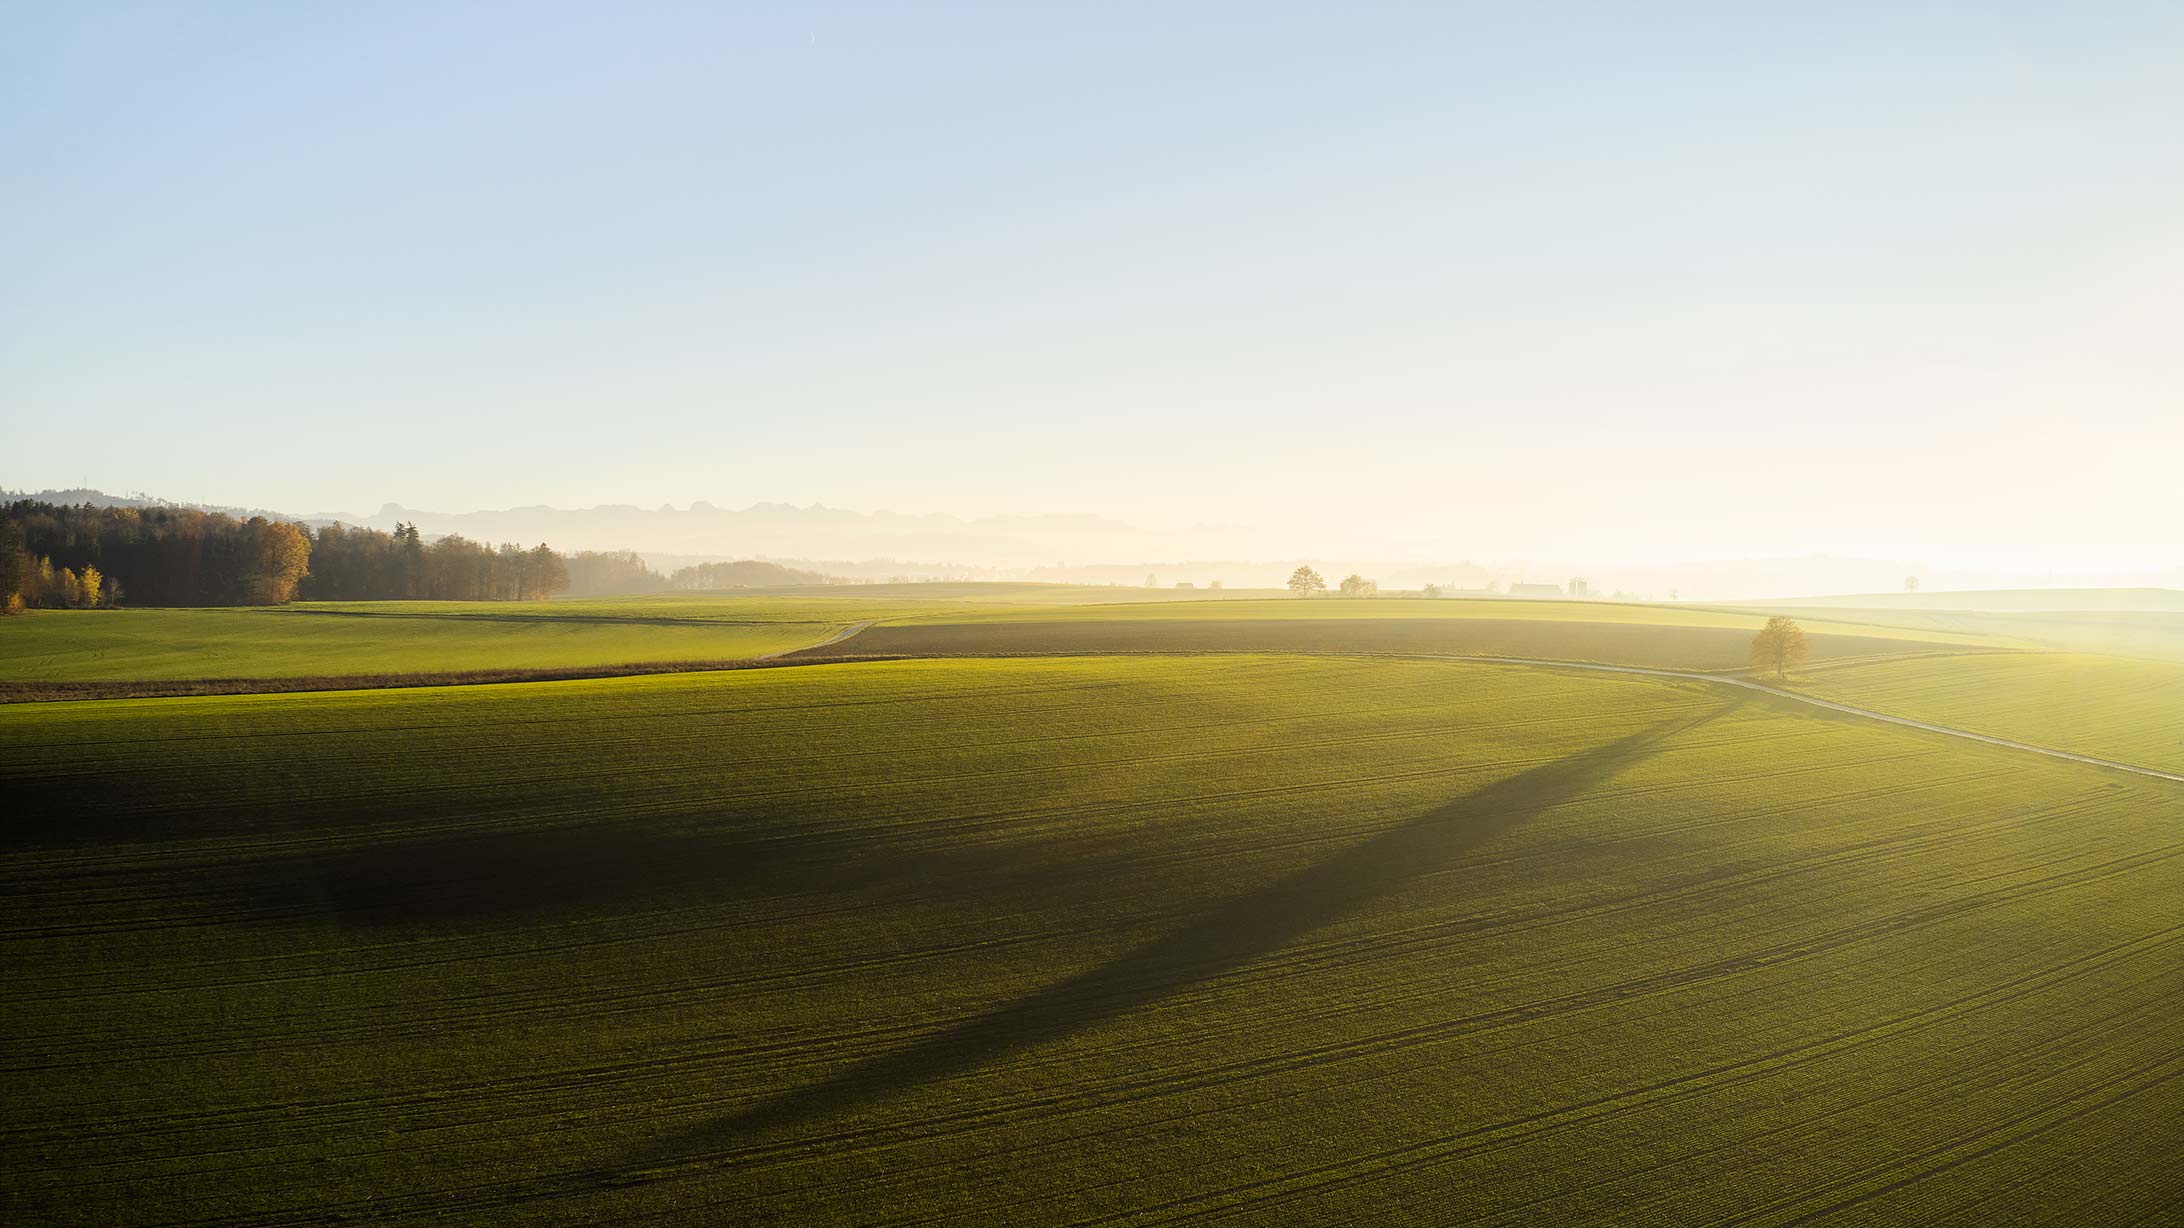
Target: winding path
{"x":831,"y":640}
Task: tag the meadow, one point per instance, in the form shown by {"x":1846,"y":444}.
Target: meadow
{"x":1651,"y":644}
{"x":345,"y":642}
{"x":301,"y":641}
{"x":1249,"y":606}
{"x":321,"y":644}
{"x":2143,"y":634}
{"x":1217,"y":938}
{"x":2111,"y":707}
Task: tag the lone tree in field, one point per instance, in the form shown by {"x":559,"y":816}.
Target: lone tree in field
{"x":1778,"y":646}
{"x":1304,"y":582}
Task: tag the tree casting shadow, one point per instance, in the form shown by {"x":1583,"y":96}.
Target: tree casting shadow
{"x":1227,"y":937}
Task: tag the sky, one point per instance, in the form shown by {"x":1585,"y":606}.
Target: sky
{"x":1644,"y":282}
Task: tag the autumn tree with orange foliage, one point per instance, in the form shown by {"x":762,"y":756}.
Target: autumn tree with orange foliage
{"x":1779,"y":646}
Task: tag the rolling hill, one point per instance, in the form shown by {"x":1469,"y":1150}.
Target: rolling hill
{"x":1236,"y":938}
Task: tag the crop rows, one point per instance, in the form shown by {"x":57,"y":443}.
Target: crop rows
{"x":1650,"y":644}
{"x":1210,"y":939}
{"x":141,"y":646}
{"x":2109,"y":707}
{"x":325,"y":645}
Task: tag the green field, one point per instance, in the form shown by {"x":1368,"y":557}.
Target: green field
{"x":350,"y":639}
{"x":2109,"y":707}
{"x":1650,"y":644}
{"x":1225,"y":938}
{"x":2146,"y":635}
{"x":346,"y":640}
{"x":311,"y":641}
{"x":808,"y":603}
{"x":1245,"y":606}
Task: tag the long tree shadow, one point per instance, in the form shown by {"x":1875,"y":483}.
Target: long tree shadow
{"x":1228,"y":937}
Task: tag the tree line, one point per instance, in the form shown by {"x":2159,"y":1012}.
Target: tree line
{"x":54,"y":555}
{"x":81,"y":556}
{"x":1305,"y":582}
{"x":596,"y":573}
{"x":357,"y":564}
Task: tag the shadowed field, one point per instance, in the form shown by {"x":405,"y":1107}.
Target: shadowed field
{"x":1217,"y":938}
{"x":323,"y":645}
{"x":1654,"y":645}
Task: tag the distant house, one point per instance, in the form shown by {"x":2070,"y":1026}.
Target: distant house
{"x":1535,"y":590}
{"x":1185,"y":584}
{"x":1578,"y":588}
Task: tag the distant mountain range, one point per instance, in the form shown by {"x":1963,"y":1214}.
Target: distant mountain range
{"x":780,"y":530}
{"x":78,"y":496}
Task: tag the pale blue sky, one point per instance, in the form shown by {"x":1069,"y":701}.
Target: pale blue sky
{"x":1663,"y":281}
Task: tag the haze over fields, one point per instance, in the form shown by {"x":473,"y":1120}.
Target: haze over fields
{"x":1589,"y":286}
{"x":1086,"y":614}
{"x":1082,"y":549}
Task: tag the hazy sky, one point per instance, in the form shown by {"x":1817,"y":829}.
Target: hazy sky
{"x":1663,"y":280}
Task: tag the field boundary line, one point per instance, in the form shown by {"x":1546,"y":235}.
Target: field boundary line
{"x":1601,"y":667}
{"x":1833,"y":706}
{"x":833,"y":639}
{"x":802,"y":655}
{"x":1854,"y":710}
